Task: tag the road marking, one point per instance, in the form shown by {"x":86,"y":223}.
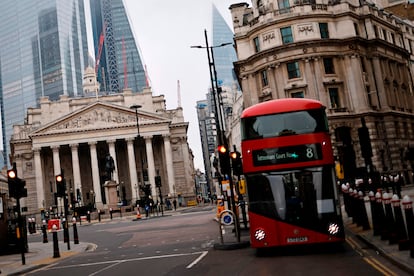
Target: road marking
{"x":369,"y":259}
{"x":197,"y":260}
{"x":378,"y":266}
{"x":116,"y":262}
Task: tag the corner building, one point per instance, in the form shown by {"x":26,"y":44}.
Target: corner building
{"x":76,"y":134}
{"x":354,"y":57}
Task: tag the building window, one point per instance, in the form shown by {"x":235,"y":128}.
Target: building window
{"x":286,"y":35}
{"x":283,"y":6}
{"x":323,"y":28}
{"x":376,"y":31}
{"x":329,"y":66}
{"x":293,"y":70}
{"x":299,"y":94}
{"x":256,"y":44}
{"x":265,"y":80}
{"x":356,"y":29}
{"x":334,"y":97}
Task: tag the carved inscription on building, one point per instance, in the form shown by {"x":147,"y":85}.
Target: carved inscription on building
{"x":269,"y":37}
{"x":99,"y":117}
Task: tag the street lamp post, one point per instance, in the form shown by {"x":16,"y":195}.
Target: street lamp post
{"x":216,"y":90}
{"x":214,"y":87}
{"x":136,"y":107}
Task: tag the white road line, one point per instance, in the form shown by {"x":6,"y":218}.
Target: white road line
{"x":197,"y":260}
{"x":115,"y":262}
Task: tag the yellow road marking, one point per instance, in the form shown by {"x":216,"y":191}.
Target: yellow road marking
{"x":378,"y":266}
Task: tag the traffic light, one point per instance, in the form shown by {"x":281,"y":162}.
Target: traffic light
{"x":16,"y":185}
{"x":224,"y":159}
{"x":60,"y":185}
{"x":12,"y":182}
{"x":236,"y":163}
{"x":158,"y":181}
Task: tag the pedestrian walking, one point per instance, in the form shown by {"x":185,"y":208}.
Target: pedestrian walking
{"x":175,"y":204}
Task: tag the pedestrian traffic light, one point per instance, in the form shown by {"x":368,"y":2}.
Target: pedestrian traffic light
{"x":224,"y":159}
{"x":236,"y":163}
{"x":60,"y":185}
{"x":158,"y":181}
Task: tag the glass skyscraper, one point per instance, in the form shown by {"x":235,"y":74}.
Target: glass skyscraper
{"x":43,"y":52}
{"x":223,"y":56}
{"x":120,"y":64}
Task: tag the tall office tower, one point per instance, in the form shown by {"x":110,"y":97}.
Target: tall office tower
{"x":223,"y":56}
{"x":118,"y":61}
{"x":208,"y":133}
{"x":43,"y":52}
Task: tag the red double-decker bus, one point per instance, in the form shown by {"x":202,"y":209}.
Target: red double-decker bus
{"x":289,"y":168}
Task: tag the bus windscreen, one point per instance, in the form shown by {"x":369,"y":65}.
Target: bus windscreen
{"x":284,"y":124}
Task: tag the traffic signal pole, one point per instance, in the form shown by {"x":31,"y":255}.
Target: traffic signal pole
{"x":17,"y":190}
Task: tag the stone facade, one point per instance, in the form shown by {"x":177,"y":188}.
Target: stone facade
{"x":354,"y":58}
{"x":74,"y":135}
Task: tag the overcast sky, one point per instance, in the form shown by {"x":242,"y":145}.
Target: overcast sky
{"x":165,"y":30}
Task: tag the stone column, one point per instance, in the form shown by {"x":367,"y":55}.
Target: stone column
{"x":169,"y":163}
{"x":56,"y":160}
{"x":40,"y":189}
{"x":151,"y":165}
{"x":112,"y":152}
{"x":57,"y":170}
{"x":355,"y":84}
{"x":132,"y":169}
{"x":76,"y":172}
{"x":379,"y":80}
{"x":95,"y":175}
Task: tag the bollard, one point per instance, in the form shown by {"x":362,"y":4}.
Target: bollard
{"x":363,"y":212}
{"x":345,"y":194}
{"x":409,"y":219}
{"x":65,"y":231}
{"x":351,"y":204}
{"x":88,"y":216}
{"x":44,"y":232}
{"x":401,"y":234}
{"x":75,"y":232}
{"x":110,"y":212}
{"x":390,"y":235}
{"x":355,"y":208}
{"x":99,"y":215}
{"x":380,"y":214}
{"x":374,"y":214}
{"x":56,"y":253}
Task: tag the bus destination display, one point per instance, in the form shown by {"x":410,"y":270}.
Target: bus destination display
{"x":284,"y":155}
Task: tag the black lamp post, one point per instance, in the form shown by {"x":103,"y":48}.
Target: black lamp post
{"x":215,"y":87}
{"x":136,"y":107}
{"x":216,"y":90}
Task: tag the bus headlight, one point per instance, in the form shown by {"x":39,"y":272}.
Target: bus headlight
{"x":333,"y":228}
{"x":260,"y":234}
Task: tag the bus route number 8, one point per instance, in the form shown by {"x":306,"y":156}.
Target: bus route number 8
{"x":309,"y":153}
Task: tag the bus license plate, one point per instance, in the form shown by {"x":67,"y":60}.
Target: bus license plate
{"x":297,"y":239}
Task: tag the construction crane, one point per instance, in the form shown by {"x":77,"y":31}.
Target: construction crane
{"x":100,"y":46}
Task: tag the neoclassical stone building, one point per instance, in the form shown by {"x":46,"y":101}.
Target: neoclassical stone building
{"x":74,"y":135}
{"x":353,"y":56}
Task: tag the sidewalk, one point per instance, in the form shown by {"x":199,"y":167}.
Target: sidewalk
{"x":400,"y":258}
{"x":40,"y":254}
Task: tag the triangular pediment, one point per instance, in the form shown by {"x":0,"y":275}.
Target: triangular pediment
{"x":99,"y":116}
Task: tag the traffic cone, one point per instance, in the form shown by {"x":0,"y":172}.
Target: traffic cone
{"x":138,"y":213}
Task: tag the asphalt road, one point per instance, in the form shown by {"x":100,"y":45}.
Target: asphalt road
{"x":182,"y":244}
